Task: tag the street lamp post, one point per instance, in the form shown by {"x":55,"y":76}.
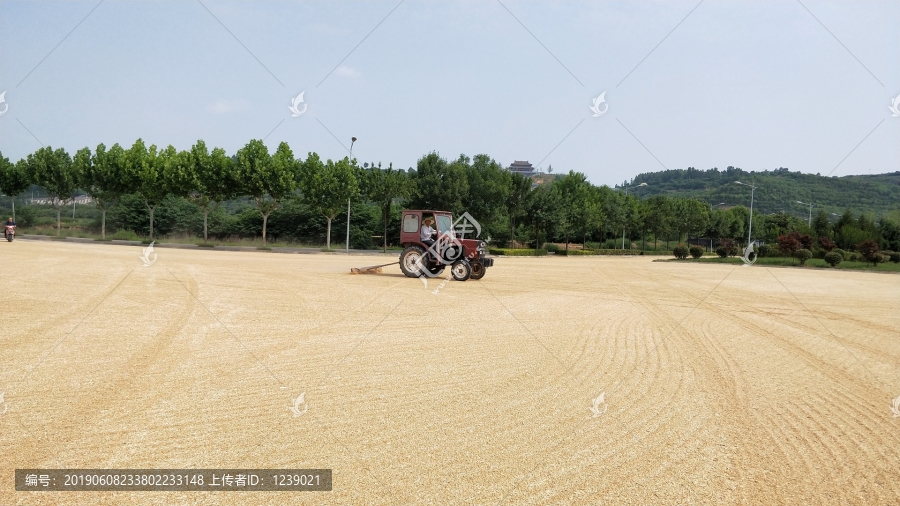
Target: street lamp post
{"x":347,"y":246}
{"x":752,"y":189}
{"x":808,"y":223}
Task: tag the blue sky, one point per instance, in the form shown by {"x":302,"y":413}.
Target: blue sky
{"x":758,"y":85}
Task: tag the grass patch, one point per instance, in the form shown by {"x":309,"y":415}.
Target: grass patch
{"x":205,"y":245}
{"x":816,"y":263}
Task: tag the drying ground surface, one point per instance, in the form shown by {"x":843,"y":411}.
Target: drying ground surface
{"x":721,"y":384}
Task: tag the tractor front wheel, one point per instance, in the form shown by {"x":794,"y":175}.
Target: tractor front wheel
{"x":478,"y":270}
{"x":461,"y":270}
{"x":410,"y":261}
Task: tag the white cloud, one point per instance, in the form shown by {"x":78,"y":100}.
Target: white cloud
{"x":345,"y":71}
{"x":227,"y":106}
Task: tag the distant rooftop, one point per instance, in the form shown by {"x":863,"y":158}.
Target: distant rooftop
{"x":524,"y":168}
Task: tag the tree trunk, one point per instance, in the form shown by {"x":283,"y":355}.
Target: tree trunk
{"x":152,"y":210}
{"x":328,"y":234}
{"x":205,"y":221}
{"x":58,"y":220}
{"x":384,"y":221}
{"x":13,"y":200}
{"x":265,"y":222}
{"x":103,"y":224}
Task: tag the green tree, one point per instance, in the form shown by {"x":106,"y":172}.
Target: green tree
{"x":267,"y":179}
{"x":890,"y":233}
{"x":590,"y":215}
{"x":488,"y":188}
{"x":543,"y":212}
{"x":440,"y":185}
{"x":516,"y":201}
{"x":207,"y":179}
{"x":13,"y":180}
{"x":54,"y":172}
{"x":619,"y":211}
{"x":328,"y":186}
{"x":101,"y":177}
{"x":143,"y":174}
{"x":383,"y":186}
{"x":575,"y":202}
{"x":658,"y":216}
{"x":820,"y":225}
{"x":696,"y":216}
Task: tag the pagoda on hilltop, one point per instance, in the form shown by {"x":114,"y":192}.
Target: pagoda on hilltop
{"x":524,"y":168}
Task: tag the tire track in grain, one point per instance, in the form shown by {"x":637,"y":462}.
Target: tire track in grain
{"x":113,"y":389}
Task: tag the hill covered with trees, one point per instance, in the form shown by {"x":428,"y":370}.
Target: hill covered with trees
{"x":778,"y":190}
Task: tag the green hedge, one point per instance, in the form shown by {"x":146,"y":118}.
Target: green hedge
{"x":576,"y":252}
{"x":511,"y":252}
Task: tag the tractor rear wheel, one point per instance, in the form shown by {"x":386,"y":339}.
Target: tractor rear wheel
{"x":478,"y":270}
{"x":461,"y":270}
{"x":410,"y":260}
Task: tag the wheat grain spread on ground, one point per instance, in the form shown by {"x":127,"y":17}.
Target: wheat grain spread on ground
{"x":720,"y":384}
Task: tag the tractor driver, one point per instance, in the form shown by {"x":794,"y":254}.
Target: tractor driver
{"x":427,"y":233}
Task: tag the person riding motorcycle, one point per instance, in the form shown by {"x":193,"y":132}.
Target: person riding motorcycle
{"x":10,"y":225}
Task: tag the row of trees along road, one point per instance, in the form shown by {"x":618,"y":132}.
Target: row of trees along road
{"x":206,"y":178}
{"x":511,"y":208}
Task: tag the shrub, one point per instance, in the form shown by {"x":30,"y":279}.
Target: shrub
{"x":856,"y":257}
{"x":788,"y":244}
{"x":619,"y":252}
{"x":731,"y":247}
{"x":722,"y":252}
{"x":844,"y":255}
{"x":551,"y":247}
{"x":827,"y":244}
{"x":680,"y":252}
{"x":763,"y":250}
{"x":517,"y":252}
{"x":803,"y":255}
{"x":579,"y":252}
{"x":895,"y":258}
{"x":869,"y":250}
{"x":25,"y":216}
{"x":575,"y":252}
{"x":833,"y":258}
{"x":696,"y":251}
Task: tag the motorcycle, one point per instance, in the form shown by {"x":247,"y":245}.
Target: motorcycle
{"x":10,"y":232}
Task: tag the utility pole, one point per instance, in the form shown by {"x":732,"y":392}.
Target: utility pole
{"x":752,"y":189}
{"x":809,"y":222}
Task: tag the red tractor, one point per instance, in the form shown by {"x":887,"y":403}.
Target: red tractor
{"x":466,"y":257}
